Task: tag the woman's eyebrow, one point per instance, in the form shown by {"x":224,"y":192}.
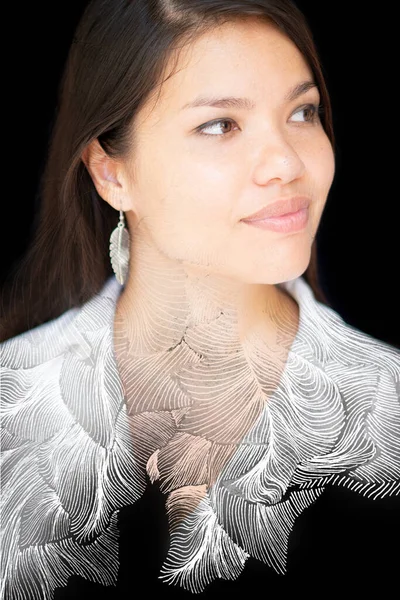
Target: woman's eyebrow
{"x":246,"y":103}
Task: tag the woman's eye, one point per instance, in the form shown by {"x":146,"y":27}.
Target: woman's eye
{"x":311,"y":113}
{"x":306,"y":114}
{"x":216,"y":127}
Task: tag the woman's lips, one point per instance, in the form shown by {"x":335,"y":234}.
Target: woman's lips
{"x":288,"y":223}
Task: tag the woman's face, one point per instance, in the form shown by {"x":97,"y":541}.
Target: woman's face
{"x":190,"y":191}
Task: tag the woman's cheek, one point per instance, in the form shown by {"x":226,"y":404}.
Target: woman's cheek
{"x":325,"y":161}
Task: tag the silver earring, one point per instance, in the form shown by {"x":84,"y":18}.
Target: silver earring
{"x":119,"y":249}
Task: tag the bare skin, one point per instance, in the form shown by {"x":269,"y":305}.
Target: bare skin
{"x":202,"y":302}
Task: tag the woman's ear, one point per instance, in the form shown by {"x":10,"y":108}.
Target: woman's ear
{"x":104,"y":172}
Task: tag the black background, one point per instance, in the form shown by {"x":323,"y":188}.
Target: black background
{"x":358,"y":233}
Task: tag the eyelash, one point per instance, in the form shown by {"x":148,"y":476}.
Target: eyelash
{"x":316,"y":110}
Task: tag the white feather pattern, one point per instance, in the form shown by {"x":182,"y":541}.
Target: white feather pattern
{"x":74,"y":453}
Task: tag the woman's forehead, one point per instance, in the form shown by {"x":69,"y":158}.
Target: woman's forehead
{"x":236,"y":60}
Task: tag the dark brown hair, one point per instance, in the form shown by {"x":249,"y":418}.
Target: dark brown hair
{"x":116,"y":61}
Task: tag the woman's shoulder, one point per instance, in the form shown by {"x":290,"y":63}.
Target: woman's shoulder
{"x":325,"y":338}
{"x":60,"y":378}
{"x":62,"y":375}
{"x":72,"y":331}
{"x":65,"y":450}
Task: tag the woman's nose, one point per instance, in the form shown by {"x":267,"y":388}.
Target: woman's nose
{"x":278,"y":160}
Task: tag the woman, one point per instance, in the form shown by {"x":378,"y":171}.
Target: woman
{"x":204,"y":371}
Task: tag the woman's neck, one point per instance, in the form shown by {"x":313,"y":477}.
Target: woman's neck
{"x":163,"y":299}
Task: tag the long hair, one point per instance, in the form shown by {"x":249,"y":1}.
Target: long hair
{"x":117,"y":60}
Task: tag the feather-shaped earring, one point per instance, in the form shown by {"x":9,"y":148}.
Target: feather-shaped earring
{"x":119,"y":249}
